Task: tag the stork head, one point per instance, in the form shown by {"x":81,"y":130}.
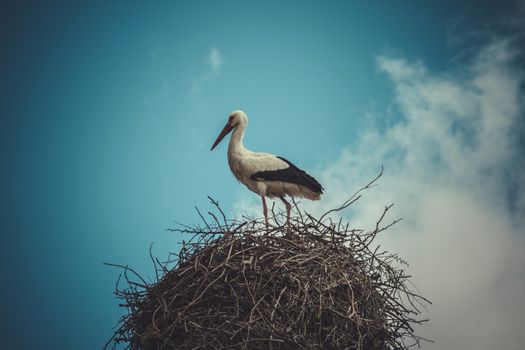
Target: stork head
{"x":235,"y":119}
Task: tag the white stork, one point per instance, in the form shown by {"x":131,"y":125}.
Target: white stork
{"x":264,"y":173}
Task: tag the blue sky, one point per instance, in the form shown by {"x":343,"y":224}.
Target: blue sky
{"x":108,"y":112}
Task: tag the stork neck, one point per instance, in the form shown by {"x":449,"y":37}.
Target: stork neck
{"x":236,"y":144}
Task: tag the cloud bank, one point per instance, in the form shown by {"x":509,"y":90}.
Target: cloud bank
{"x":454,"y":163}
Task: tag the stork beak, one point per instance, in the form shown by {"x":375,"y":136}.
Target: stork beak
{"x":225,"y":131}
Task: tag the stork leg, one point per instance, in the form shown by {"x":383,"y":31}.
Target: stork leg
{"x":288,"y":209}
{"x":265,"y":210}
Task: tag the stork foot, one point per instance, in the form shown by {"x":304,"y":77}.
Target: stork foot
{"x":288,"y":210}
{"x":265,"y":212}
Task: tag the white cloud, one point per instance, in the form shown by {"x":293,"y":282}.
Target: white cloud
{"x":454,"y":168}
{"x":214,"y":63}
{"x":215,"y":60}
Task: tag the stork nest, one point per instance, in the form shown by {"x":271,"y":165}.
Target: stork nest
{"x":314,"y":284}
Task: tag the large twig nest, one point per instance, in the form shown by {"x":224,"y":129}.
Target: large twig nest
{"x":312,"y":285}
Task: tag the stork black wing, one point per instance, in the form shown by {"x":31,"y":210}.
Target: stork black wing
{"x":291,"y":174}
